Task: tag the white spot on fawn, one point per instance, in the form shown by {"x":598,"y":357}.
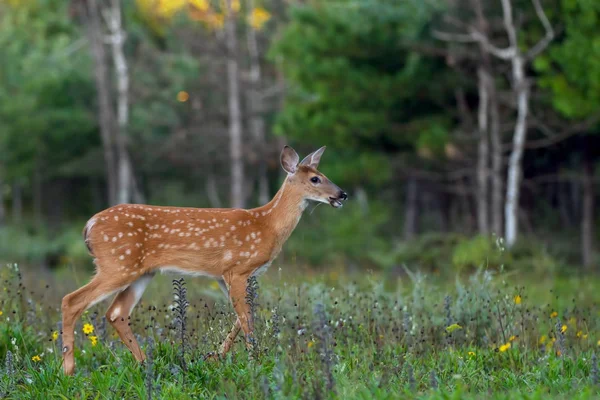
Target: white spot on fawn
{"x":228,"y":256}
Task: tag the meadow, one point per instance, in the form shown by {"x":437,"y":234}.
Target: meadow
{"x":320,"y":335}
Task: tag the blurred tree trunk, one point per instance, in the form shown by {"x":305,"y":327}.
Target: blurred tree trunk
{"x":513,"y":186}
{"x":520,"y":87}
{"x":483,"y":152}
{"x":587,"y":214}
{"x":257,"y":122}
{"x":37,"y":195}
{"x":411,"y":209}
{"x":17,"y":202}
{"x":211,"y":190}
{"x":492,"y":124}
{"x":497,"y":157}
{"x":235,"y":110}
{"x":2,"y":207}
{"x":96,"y":38}
{"x":126,"y":182}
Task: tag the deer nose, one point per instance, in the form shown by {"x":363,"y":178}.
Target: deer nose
{"x":343,"y":195}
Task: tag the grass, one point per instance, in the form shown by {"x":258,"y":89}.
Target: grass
{"x":318,"y":336}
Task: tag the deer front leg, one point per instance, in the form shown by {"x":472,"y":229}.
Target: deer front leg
{"x":237,"y":294}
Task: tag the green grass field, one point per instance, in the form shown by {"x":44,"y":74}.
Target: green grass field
{"x":319,"y":335}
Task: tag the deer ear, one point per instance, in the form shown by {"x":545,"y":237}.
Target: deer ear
{"x":313,"y":159}
{"x":289,"y":160}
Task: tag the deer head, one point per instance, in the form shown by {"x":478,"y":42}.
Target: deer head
{"x":306,"y":178}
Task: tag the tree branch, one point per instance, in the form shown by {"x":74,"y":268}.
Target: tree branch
{"x":545,"y":41}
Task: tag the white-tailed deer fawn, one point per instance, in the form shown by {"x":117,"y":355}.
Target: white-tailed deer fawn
{"x":130,"y":242}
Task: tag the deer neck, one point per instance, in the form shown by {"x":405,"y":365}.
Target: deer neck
{"x":283,"y":212}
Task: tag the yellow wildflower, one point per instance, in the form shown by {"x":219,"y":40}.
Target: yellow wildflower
{"x":214,"y":285}
{"x":512,"y":338}
{"x":1,"y":313}
{"x":471,"y":354}
{"x":598,"y":343}
{"x":54,"y":336}
{"x":504,"y":347}
{"x":36,"y":358}
{"x":88,"y":328}
{"x":311,"y":344}
{"x":453,"y":327}
{"x":554,"y":314}
{"x":543,"y":339}
{"x":94,"y":340}
{"x":258,"y":18}
{"x":183,"y":96}
{"x":563,"y":329}
{"x":517,"y":299}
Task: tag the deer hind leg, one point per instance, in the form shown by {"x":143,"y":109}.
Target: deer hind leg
{"x":73,"y":305}
{"x":120,"y":309}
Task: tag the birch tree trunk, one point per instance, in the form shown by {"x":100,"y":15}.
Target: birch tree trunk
{"x":513,"y":186}
{"x":235,"y":111}
{"x":483,"y":153}
{"x":257,"y":122}
{"x":104,"y":107}
{"x":117,"y":40}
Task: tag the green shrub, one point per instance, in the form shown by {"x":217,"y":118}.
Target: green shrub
{"x":351,"y":234}
{"x":479,"y":251}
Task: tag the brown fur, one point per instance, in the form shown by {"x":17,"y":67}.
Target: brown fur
{"x":131,"y":242}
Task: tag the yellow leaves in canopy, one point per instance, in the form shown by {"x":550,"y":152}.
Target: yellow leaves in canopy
{"x":235,"y":5}
{"x":168,"y":8}
{"x":258,"y":18}
{"x":202,"y":5}
{"x":201,"y":10}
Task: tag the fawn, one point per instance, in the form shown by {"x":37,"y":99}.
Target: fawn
{"x":130,"y":242}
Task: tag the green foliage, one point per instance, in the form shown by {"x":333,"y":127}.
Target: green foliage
{"x":45,"y":109}
{"x":354,"y":84}
{"x":384,"y":344}
{"x":31,"y":248}
{"x":429,"y":252}
{"x":479,"y":251}
{"x":322,"y":237}
{"x":570,"y":69}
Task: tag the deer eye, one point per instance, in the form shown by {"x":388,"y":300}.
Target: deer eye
{"x":315,"y":179}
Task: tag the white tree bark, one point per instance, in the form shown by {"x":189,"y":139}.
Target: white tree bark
{"x":117,"y":41}
{"x":483,"y":152}
{"x":235,"y":111}
{"x":513,"y":185}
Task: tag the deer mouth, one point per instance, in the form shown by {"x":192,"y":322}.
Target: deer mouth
{"x":335,"y":203}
